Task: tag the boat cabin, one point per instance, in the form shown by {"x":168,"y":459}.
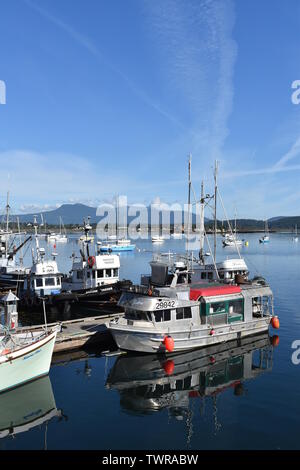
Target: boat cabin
{"x":97,"y":271}
{"x":44,"y":279}
{"x":228,"y":270}
{"x":197,"y":305}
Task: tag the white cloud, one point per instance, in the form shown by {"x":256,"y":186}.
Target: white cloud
{"x":52,"y":178}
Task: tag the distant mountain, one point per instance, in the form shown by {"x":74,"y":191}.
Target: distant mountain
{"x":274,"y":219}
{"x":70,"y":213}
{"x":73,"y":214}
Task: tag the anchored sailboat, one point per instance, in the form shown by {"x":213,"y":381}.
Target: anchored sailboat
{"x":120,"y":243}
{"x":265,"y":238}
{"x":295,"y":239}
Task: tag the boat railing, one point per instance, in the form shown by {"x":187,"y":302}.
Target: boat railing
{"x":142,"y":290}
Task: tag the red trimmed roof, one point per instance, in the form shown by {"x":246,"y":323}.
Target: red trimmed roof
{"x":195,"y":293}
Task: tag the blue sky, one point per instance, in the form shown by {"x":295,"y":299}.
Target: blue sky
{"x":107,"y":97}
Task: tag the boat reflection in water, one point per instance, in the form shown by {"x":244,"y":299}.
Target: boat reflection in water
{"x":27,"y":407}
{"x":149,"y":383}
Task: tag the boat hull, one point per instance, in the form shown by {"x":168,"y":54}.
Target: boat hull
{"x":11,"y":281}
{"x":152,"y":342}
{"x":26,"y":364}
{"x":116,"y":248}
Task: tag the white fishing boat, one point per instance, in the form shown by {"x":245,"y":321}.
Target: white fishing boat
{"x":169,"y":313}
{"x":43,"y":278}
{"x":23,"y":356}
{"x":92,"y":272}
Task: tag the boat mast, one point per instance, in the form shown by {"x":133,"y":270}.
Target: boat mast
{"x":7,"y":211}
{"x":215,"y":209}
{"x":189,"y":199}
{"x":37,"y":245}
{"x":202,"y":204}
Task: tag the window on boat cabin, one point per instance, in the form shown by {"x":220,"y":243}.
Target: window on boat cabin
{"x":135,"y":315}
{"x":221,"y":275}
{"x":235,"y":306}
{"x":88,"y":274}
{"x":203,"y":275}
{"x":116,"y":272}
{"x":183,"y":313}
{"x":108,"y":273}
{"x":49,"y":281}
{"x":217,"y":307}
{"x":100,"y":273}
{"x":58,"y":281}
{"x":94,"y":274}
{"x":162,"y":315}
{"x":79,"y":274}
{"x":39,"y":282}
{"x":210,"y":275}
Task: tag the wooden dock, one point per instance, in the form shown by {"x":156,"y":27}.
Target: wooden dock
{"x":78,"y":333}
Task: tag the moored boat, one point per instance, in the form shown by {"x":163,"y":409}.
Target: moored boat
{"x":23,"y":356}
{"x":171,"y":315}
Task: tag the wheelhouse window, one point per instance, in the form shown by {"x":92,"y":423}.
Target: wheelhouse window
{"x":58,"y":281}
{"x":49,"y":281}
{"x":135,"y":315}
{"x":79,"y":275}
{"x":203,"y":275}
{"x":210,"y":275}
{"x":162,"y":315}
{"x":183,"y":313}
{"x":100,"y":273}
{"x":116,"y":272}
{"x":39,"y":282}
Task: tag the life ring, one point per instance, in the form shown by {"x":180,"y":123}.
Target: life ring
{"x":91,"y":261}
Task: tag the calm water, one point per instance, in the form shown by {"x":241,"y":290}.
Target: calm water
{"x":245,"y":397}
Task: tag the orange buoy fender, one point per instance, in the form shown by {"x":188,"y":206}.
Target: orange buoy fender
{"x":169,"y":367}
{"x":169,"y":343}
{"x":275,"y":340}
{"x":275,"y":323}
{"x":91,"y":261}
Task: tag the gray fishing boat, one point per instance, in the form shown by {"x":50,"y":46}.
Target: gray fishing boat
{"x":167,"y":313}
